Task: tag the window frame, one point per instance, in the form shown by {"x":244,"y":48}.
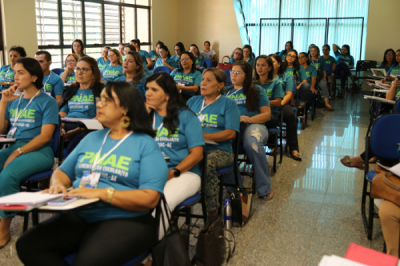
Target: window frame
{"x":120,"y":5}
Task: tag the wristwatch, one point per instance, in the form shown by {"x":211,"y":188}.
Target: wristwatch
{"x":177,"y":172}
{"x":110,"y":193}
{"x":21,"y":151}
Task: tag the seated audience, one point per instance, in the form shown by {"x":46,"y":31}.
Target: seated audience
{"x":121,"y":48}
{"x":320,"y":66}
{"x":289,"y":117}
{"x":165,"y":59}
{"x":179,"y":49}
{"x":120,"y":226}
{"x":179,"y":136}
{"x":394,"y":70}
{"x":329,"y":61}
{"x":113,"y":70}
{"x":389,"y":60}
{"x":248,"y":55}
{"x":345,"y":62}
{"x":210,"y":54}
{"x":236,"y":55}
{"x":264,"y":77}
{"x":186,"y":77}
{"x":7,"y":71}
{"x":199,"y":58}
{"x":254,"y":113}
{"x":134,"y":71}
{"x":288,"y":47}
{"x":309,"y":49}
{"x":78,"y":48}
{"x":220,"y":119}
{"x":146,"y":57}
{"x":306,"y":87}
{"x":103,"y":61}
{"x":79,"y":100}
{"x":68,"y":76}
{"x":53,"y":84}
{"x":33,"y":118}
{"x":154,"y":54}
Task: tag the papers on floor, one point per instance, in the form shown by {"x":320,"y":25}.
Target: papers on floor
{"x":27,"y":199}
{"x":379,"y":99}
{"x":90,"y":124}
{"x":337,"y":261}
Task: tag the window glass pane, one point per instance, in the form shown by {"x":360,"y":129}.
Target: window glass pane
{"x":111,"y":16}
{"x":94,"y":52}
{"x":142,"y":2}
{"x":93,"y":18}
{"x":143,"y":24}
{"x":47,"y":22}
{"x":72,"y":21}
{"x":129,"y":1}
{"x":55,"y":58}
{"x":128,"y":24}
{"x":145,"y":47}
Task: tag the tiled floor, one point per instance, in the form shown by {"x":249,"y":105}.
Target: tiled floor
{"x":316,"y":208}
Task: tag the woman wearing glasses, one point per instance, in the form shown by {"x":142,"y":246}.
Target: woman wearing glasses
{"x":79,"y":99}
{"x":134,"y":71}
{"x":68,"y":76}
{"x":7,"y":71}
{"x":179,"y":49}
{"x":114,"y":70}
{"x":288,"y":48}
{"x":165,"y":59}
{"x":103,"y":61}
{"x":120,"y":226}
{"x":236,"y":55}
{"x":255,"y":111}
{"x":186,"y":77}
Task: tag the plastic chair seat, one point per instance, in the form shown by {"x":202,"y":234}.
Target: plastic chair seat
{"x":39,"y":176}
{"x":225,"y":170}
{"x":70,"y":258}
{"x":370,"y":175}
{"x":162,"y":69}
{"x":189,"y":201}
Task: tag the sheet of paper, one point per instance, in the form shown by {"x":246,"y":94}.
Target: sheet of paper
{"x":395,"y":169}
{"x":210,"y":142}
{"x":338,"y":261}
{"x":73,"y":205}
{"x":7,"y":140}
{"x":27,"y":199}
{"x":378,"y":83}
{"x":380,"y":91}
{"x":91,"y":124}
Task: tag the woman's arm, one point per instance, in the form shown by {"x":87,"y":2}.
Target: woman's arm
{"x":313,"y":82}
{"x":149,"y":62}
{"x":3,"y":121}
{"x":303,"y":81}
{"x":5,"y":83}
{"x":168,"y":65}
{"x":391,"y":94}
{"x":59,"y":183}
{"x":194,"y":88}
{"x":287,"y":98}
{"x":194,"y":157}
{"x":335,"y":48}
{"x":275,"y":102}
{"x":223,"y":135}
{"x":62,"y":114}
{"x":333,"y":67}
{"x":214,"y":58}
{"x":65,"y":74}
{"x":263,"y":117}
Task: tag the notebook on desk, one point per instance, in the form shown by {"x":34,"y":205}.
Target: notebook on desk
{"x":379,"y":99}
{"x":90,"y":124}
{"x":28,"y":199}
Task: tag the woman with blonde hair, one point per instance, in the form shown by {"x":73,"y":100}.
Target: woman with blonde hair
{"x":68,"y":76}
{"x":113,"y":70}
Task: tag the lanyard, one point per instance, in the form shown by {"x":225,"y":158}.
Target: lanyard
{"x":16,"y":116}
{"x":5,"y":76}
{"x":97,"y":160}
{"x":227,"y":94}
{"x":154,"y":123}
{"x":204,"y":107}
{"x":47,"y":81}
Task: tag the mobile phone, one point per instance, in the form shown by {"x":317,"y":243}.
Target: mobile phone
{"x":62,"y":201}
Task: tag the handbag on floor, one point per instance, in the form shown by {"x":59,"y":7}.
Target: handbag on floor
{"x":385,"y":185}
{"x":171,"y":250}
{"x":242,"y":203}
{"x":225,"y":66}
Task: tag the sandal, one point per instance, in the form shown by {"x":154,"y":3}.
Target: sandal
{"x":346,"y":162}
{"x":267,"y":197}
{"x":329,"y":108}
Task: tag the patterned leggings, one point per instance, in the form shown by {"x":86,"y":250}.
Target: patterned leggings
{"x":216,"y":159}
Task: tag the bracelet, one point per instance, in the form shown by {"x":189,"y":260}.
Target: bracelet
{"x":21,"y":151}
{"x":110,"y":193}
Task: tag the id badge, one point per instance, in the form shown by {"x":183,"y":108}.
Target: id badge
{"x":201,"y":118}
{"x":89,"y":180}
{"x":11,"y":133}
{"x":48,"y":93}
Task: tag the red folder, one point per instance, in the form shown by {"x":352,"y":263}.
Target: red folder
{"x":369,"y":256}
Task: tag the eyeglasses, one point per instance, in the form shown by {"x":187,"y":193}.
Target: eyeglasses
{"x":104,"y":100}
{"x":184,"y":59}
{"x":82,"y":70}
{"x":111,"y":55}
{"x":236,"y":73}
{"x":292,"y":56}
{"x":177,"y":50}
{"x":70,"y":61}
{"x":238,"y":53}
{"x":300,"y":57}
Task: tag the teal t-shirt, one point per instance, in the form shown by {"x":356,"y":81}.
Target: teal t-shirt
{"x":70,"y":78}
{"x":43,"y":110}
{"x":200,"y":62}
{"x":144,"y":55}
{"x":169,"y":61}
{"x":53,"y":84}
{"x":286,"y":82}
{"x":6,"y":75}
{"x":348,"y":59}
{"x":153,"y":55}
{"x":111,"y":73}
{"x":394,"y":70}
{"x":189,"y":79}
{"x":101,"y":63}
{"x":383,"y":65}
{"x":273,"y":90}
{"x":251,"y":61}
{"x":240,"y":99}
{"x":282,"y":54}
{"x":81,"y":105}
{"x":319,"y":64}
{"x":221,"y":115}
{"x":140,"y":87}
{"x":176,"y":59}
{"x":136,"y":164}
{"x":176,"y":146}
{"x":328,"y":61}
{"x":308,"y":73}
{"x":232,"y":61}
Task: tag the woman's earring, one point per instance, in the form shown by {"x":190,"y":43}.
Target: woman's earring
{"x":125,"y":121}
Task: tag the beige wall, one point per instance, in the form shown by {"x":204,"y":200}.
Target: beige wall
{"x":19,"y":24}
{"x":164,"y":21}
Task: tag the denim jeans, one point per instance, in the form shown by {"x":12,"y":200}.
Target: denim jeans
{"x":304,"y":93}
{"x":324,"y":88}
{"x":254,"y":136}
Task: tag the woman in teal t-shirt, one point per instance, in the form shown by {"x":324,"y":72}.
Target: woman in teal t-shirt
{"x":288,"y":47}
{"x":7,"y":71}
{"x":248,"y":55}
{"x":113,"y":70}
{"x":165,"y":59}
{"x":220,"y":119}
{"x":103,"y":61}
{"x":128,"y":187}
{"x":292,"y":65}
{"x":345,"y":62}
{"x":179,"y":49}
{"x":394,"y":70}
{"x":33,"y":118}
{"x":307,"y":81}
{"x":389,"y":60}
{"x":330,"y":62}
{"x":255,"y":111}
{"x":179,"y":136}
{"x":237,"y":55}
{"x":68,"y":76}
{"x":199,"y":58}
{"x":186,"y":77}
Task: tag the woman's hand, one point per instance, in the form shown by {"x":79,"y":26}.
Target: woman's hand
{"x":70,"y":134}
{"x":69,"y":70}
{"x":11,"y":158}
{"x":313,"y":91}
{"x":149,"y":107}
{"x":88,"y":193}
{"x":245,"y":119}
{"x":56,"y":189}
{"x":8,"y":95}
{"x":197,"y":66}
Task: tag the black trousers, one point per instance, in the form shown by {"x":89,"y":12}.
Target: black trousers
{"x":273,"y":122}
{"x":108,"y":242}
{"x":72,"y":143}
{"x":291,"y":128}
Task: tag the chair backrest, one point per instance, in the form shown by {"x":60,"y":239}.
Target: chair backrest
{"x":328,"y":70}
{"x":365,"y":65}
{"x":294,"y":88}
{"x":228,"y":77}
{"x":58,"y":71}
{"x":207,"y":61}
{"x":397,"y":107}
{"x":162,"y":69}
{"x":385,"y":135}
{"x":56,"y":137}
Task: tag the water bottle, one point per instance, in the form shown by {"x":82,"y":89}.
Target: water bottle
{"x":228,"y":213}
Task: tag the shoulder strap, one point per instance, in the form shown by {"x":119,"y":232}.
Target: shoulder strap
{"x":67,"y":95}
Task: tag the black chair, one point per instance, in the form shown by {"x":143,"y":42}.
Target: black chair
{"x":363,"y":65}
{"x":274,"y":135}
